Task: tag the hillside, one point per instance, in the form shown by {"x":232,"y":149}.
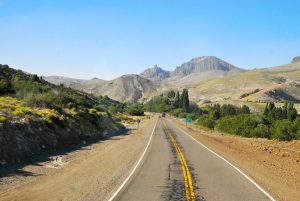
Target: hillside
{"x":259,"y":85}
{"x":36,"y":115}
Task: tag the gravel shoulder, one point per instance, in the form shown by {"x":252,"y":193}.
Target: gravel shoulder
{"x":91,"y":173}
{"x":273,"y":165}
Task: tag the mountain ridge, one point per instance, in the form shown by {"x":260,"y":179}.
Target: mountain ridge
{"x":207,"y":78}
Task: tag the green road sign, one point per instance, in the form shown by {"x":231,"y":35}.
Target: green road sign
{"x":188,"y":120}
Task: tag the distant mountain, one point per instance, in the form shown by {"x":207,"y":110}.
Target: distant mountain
{"x":156,"y":74}
{"x":66,"y":81}
{"x":204,"y":64}
{"x":127,"y":88}
{"x":132,"y":88}
{"x":258,"y":85}
{"x":296,"y":59}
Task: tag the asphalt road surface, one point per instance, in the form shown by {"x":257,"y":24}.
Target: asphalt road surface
{"x":176,"y":167}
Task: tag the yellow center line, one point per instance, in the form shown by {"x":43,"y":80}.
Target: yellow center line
{"x":189,"y":189}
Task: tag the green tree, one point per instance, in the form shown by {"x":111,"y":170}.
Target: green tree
{"x":177,"y":100}
{"x":171,"y":94}
{"x":185,"y":100}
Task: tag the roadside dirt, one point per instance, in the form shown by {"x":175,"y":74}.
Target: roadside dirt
{"x":273,"y":165}
{"x":91,"y":173}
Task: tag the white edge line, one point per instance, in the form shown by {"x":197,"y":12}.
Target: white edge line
{"x":236,"y":168}
{"x":135,"y":167}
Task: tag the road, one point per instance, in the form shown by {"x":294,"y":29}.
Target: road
{"x":176,"y":167}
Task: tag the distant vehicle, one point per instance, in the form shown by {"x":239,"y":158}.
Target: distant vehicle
{"x":163,"y":114}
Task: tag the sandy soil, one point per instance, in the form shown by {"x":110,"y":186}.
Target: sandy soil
{"x":92,"y":173}
{"x":272,"y":164}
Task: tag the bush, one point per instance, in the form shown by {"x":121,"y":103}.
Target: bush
{"x":136,"y":109}
{"x":206,"y":121}
{"x":241,"y":124}
{"x":3,"y":119}
{"x":283,"y":130}
{"x":177,"y":112}
{"x":262,"y":131}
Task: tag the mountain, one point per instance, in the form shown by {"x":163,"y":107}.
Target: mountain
{"x":208,"y":78}
{"x":296,"y":59}
{"x":66,"y":81}
{"x":156,"y":74}
{"x":132,"y":88}
{"x":127,"y":88}
{"x":204,"y":64}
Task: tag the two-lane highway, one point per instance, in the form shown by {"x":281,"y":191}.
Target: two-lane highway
{"x":176,"y":167}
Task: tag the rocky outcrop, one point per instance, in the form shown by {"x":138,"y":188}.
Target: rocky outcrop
{"x":156,"y":74}
{"x":249,"y":93}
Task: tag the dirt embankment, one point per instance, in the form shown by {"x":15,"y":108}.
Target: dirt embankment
{"x":91,"y":173}
{"x":20,"y":141}
{"x":272,"y":164}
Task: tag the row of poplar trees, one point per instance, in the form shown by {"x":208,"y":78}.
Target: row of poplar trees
{"x":180,"y":100}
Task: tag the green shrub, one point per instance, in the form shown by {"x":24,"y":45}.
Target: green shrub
{"x":176,"y":112}
{"x":241,"y":124}
{"x":3,"y":119}
{"x":261,"y":131}
{"x":206,"y":121}
{"x":136,"y":109}
{"x":283,"y":130}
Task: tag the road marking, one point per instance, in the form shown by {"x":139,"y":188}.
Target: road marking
{"x":135,"y":167}
{"x":233,"y":166}
{"x":189,"y":189}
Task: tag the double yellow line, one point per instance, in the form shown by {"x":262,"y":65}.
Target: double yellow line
{"x":188,"y":183}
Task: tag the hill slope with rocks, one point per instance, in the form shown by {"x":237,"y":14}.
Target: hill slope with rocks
{"x":36,"y":116}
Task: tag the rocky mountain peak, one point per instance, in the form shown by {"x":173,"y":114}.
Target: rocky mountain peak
{"x":155,"y":74}
{"x":204,"y":64}
{"x":296,"y":59}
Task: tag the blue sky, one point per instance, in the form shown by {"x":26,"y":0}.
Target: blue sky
{"x":105,"y":39}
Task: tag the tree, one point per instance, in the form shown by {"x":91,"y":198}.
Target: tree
{"x":185,"y":100}
{"x":177,"y":100}
{"x":171,"y":94}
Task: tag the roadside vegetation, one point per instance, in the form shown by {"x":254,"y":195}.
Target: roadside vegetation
{"x":279,"y":123}
{"x":176,"y":104}
{"x":36,"y":115}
